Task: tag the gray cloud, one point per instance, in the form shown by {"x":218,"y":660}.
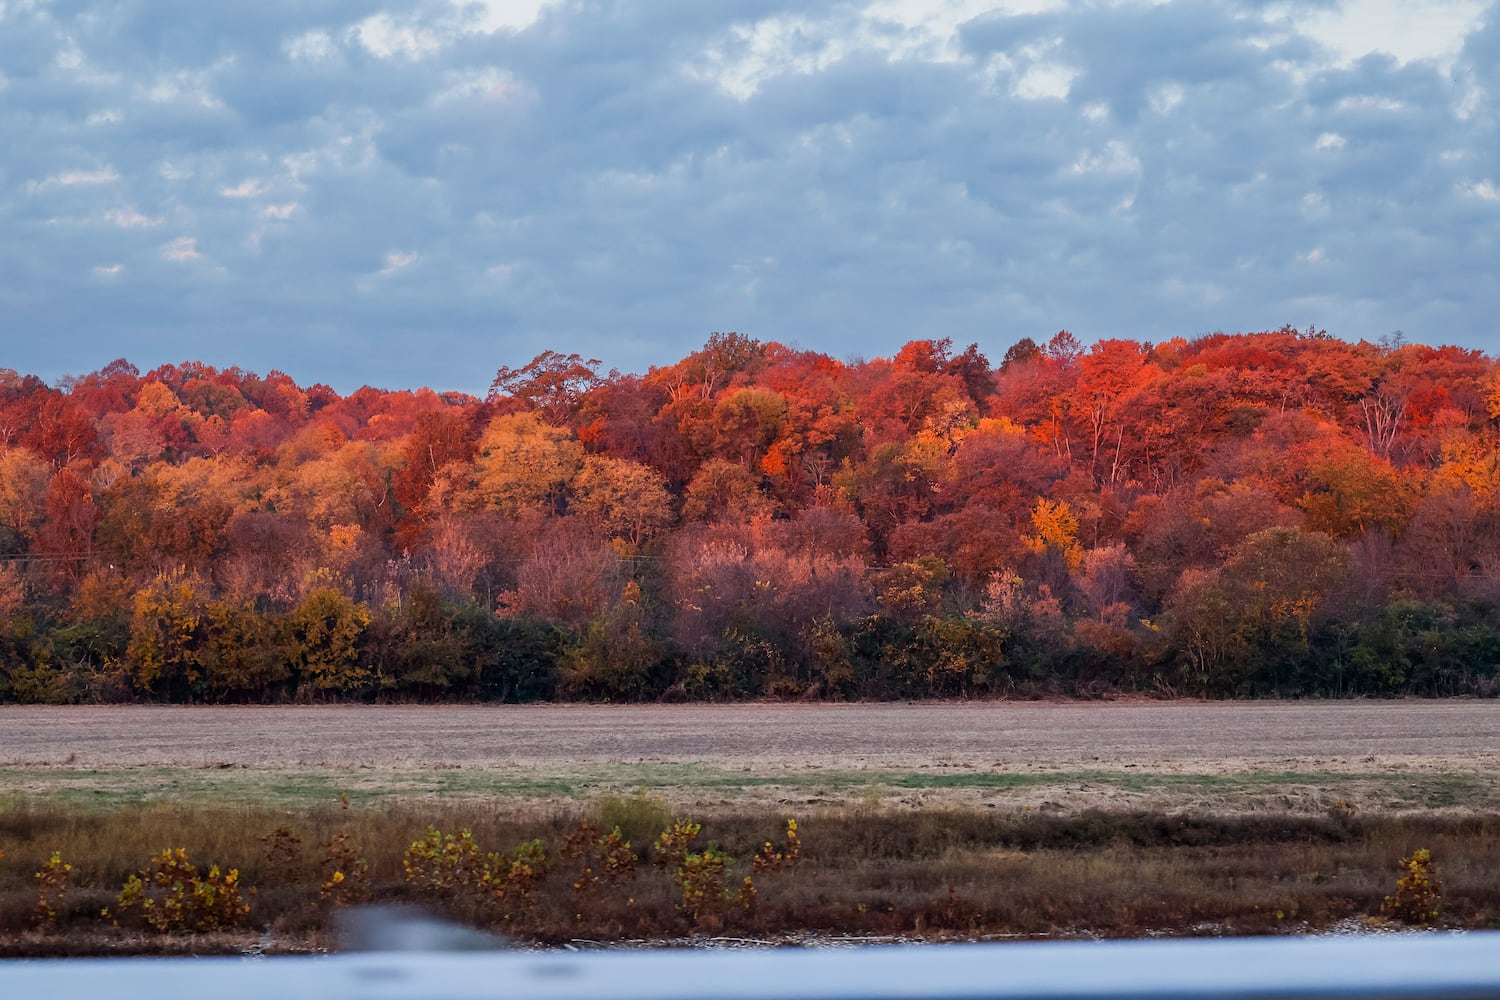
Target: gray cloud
{"x":411,"y":200}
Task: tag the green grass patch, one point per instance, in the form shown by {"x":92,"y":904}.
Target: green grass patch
{"x":106,"y":788}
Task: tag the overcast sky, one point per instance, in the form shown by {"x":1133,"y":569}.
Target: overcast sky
{"x":402,"y":194}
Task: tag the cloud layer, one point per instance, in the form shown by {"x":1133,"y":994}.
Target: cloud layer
{"x":418,"y":193}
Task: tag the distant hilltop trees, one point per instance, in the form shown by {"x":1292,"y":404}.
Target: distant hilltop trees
{"x":1235,"y":515}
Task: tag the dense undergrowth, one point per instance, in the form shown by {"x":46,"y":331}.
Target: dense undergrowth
{"x":180,"y":646}
{"x":626,"y":868}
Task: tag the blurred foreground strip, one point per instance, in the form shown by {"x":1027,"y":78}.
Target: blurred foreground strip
{"x":408,"y":929}
{"x":1384,"y":966}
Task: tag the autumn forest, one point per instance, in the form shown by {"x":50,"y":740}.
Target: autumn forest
{"x":1269,"y":514}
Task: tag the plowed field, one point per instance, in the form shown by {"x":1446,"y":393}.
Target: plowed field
{"x":1243,"y":756}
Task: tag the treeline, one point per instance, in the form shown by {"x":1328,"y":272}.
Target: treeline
{"x":1237,"y":515}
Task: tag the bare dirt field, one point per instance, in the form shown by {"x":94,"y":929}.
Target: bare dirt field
{"x":1250,"y":756}
{"x":1162,"y":736}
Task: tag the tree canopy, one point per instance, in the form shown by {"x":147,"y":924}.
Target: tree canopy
{"x":1236,"y":514}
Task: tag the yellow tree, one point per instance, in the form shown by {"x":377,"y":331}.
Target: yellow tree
{"x":23,"y":496}
{"x":1056,"y":527}
{"x":1467,"y":461}
{"x":626,"y":499}
{"x":724,"y":490}
{"x":324,"y":634}
{"x":242,"y":656}
{"x":166,"y":638}
{"x":1352,"y":491}
{"x":524,"y":464}
{"x":348,"y":483}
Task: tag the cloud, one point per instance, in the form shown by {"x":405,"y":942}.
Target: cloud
{"x":386,"y":37}
{"x":1114,"y":158}
{"x":311,"y":47}
{"x":181,"y":249}
{"x":413,"y":193}
{"x":1410,"y":30}
{"x":129,"y":218}
{"x":245,"y":189}
{"x":501,"y":15}
{"x":70,"y":178}
{"x":397,"y":261}
{"x":1484,"y":190}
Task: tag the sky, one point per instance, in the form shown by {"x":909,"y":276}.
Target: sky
{"x":403,"y":194}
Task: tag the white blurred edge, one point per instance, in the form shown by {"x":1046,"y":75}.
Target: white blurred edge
{"x":1376,"y":966}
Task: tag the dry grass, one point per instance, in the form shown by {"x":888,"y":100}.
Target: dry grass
{"x":936,"y":873}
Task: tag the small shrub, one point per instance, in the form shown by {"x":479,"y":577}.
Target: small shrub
{"x":746,"y":894}
{"x":172,"y":897}
{"x":348,"y":872}
{"x":957,"y":913}
{"x":606,"y":858}
{"x":440,"y":863}
{"x":51,"y":885}
{"x":1342,"y":809}
{"x":672,"y":845}
{"x":283,"y":853}
{"x":1416,"y":900}
{"x":517,"y":876}
{"x":445,"y":864}
{"x":704,"y":875}
{"x":771,"y":858}
{"x":704,"y":878}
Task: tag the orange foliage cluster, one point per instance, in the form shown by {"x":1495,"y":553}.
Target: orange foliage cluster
{"x":1233,"y":514}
